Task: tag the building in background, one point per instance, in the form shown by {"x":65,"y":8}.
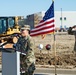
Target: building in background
{"x":63,"y":19}
{"x":34,"y":19}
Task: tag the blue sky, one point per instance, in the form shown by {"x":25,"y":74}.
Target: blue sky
{"x":26,"y":7}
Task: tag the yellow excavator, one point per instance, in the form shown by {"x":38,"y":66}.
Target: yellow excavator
{"x":9,"y":28}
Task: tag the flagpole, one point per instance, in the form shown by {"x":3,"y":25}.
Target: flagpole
{"x":55,"y":49}
{"x":55,"y":53}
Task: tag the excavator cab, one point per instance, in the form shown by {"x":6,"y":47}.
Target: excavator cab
{"x":3,"y":24}
{"x":9,"y":27}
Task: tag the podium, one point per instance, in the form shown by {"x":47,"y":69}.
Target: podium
{"x":11,"y":63}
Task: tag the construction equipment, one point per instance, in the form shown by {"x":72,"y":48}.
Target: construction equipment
{"x":9,"y":28}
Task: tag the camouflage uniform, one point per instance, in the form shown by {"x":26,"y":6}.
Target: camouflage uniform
{"x":25,"y":44}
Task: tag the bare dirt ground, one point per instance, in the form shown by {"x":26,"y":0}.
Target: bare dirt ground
{"x":65,"y":55}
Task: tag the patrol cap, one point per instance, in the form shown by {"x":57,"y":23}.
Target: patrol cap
{"x":25,"y":27}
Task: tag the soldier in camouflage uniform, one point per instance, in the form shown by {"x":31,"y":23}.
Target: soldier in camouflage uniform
{"x":26,"y":44}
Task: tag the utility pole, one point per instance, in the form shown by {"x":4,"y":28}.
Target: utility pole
{"x":61,"y":19}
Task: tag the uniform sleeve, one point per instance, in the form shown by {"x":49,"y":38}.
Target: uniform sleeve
{"x":71,"y":32}
{"x":17,"y":44}
{"x":31,"y":44}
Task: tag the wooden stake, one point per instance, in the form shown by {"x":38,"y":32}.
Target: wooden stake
{"x":55,"y":53}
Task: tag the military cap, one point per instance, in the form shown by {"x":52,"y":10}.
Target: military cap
{"x":26,"y":27}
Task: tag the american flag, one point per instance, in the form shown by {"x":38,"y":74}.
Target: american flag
{"x":46,"y":25}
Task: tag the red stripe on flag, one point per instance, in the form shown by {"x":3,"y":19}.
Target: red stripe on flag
{"x":45,"y":23}
{"x":41,"y":21}
{"x":43,"y":28}
{"x":50,"y":31}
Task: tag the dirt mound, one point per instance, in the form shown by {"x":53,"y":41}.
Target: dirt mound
{"x":61,"y":60}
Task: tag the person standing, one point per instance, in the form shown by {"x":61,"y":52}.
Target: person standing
{"x":26,"y":44}
{"x":72,"y":31}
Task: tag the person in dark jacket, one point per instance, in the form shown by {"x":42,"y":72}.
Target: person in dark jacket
{"x":72,"y":31}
